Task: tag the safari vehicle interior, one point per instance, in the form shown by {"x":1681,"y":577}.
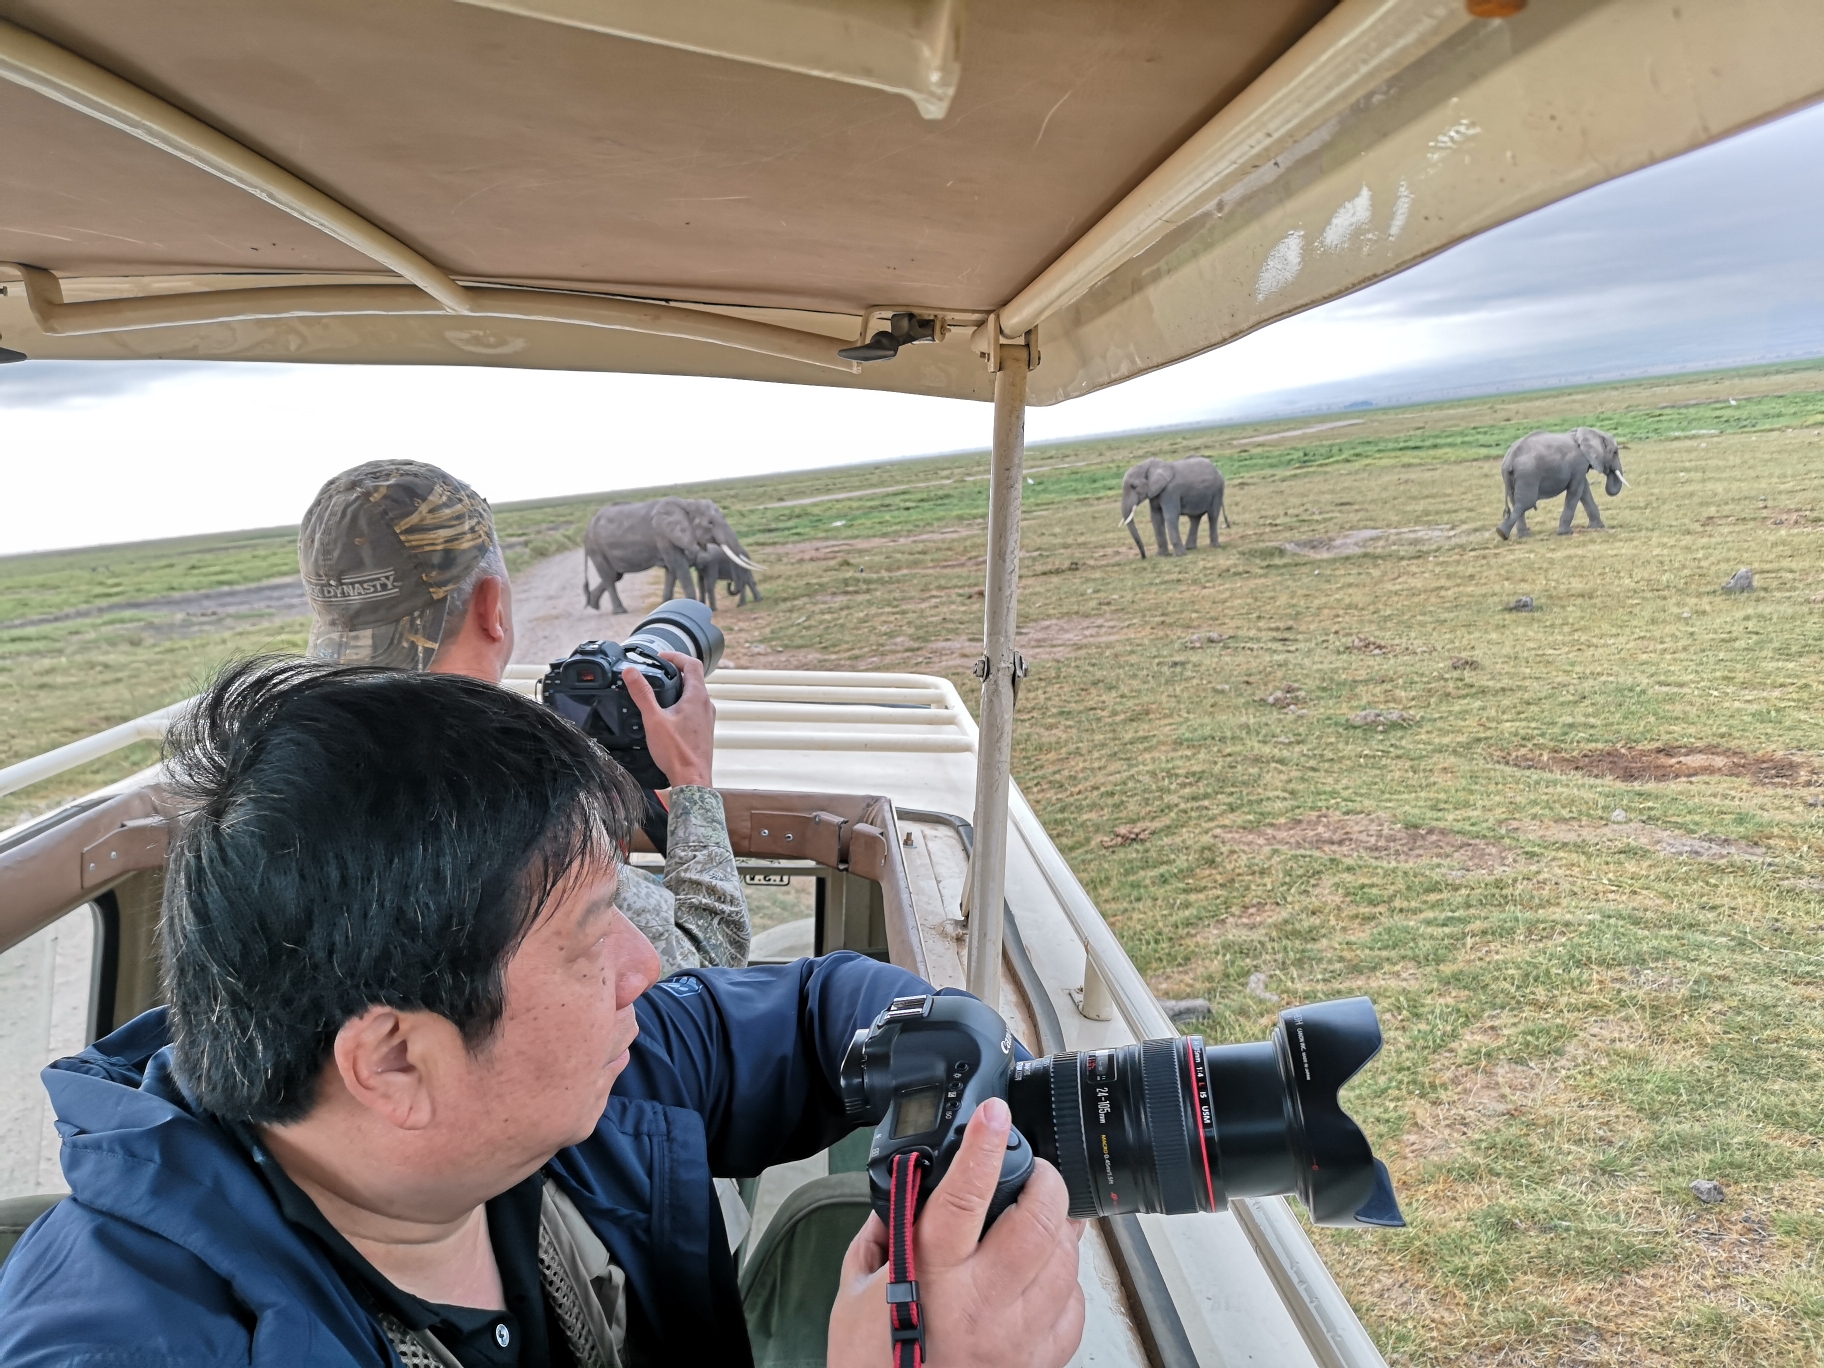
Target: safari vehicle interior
{"x":1015,"y":201}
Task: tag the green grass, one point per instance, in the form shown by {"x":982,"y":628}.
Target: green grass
{"x":1577,"y":1024}
{"x":55,"y":581}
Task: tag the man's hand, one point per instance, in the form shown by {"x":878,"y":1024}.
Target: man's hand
{"x":682,"y":738}
{"x":1010,"y":1301}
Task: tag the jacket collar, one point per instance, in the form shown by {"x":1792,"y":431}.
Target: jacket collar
{"x":135,"y":1148}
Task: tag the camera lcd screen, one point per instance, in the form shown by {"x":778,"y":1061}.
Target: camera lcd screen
{"x":917,"y":1112}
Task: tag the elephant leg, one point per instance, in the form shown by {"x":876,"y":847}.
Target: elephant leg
{"x":593,"y":597}
{"x":1593,"y":513}
{"x":1526,"y":498}
{"x":1571,"y":496}
{"x":1172,"y":517}
{"x":679,"y":568}
{"x":1159,"y":527}
{"x":614,"y":597}
{"x":1190,"y":542}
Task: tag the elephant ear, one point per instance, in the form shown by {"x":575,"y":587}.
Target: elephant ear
{"x":1157,"y":477}
{"x":672,"y":522}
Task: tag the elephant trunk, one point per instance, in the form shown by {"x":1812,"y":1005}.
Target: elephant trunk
{"x":1614,"y":483}
{"x":1130,"y":503}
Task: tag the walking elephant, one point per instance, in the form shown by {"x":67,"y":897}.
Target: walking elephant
{"x":624,"y":539}
{"x":1543,"y":465}
{"x":1189,"y":488}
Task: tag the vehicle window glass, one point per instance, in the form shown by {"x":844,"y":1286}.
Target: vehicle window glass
{"x":46,"y":985}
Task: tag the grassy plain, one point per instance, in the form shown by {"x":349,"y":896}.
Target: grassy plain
{"x":1583,"y":1015}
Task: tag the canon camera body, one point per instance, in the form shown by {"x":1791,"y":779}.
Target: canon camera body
{"x":586,"y":686}
{"x":1166,"y":1126}
{"x":920,"y":1072}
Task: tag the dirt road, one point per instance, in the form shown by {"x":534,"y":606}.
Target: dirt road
{"x":550,"y":617}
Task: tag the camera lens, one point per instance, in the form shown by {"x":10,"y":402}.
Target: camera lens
{"x":1171,"y":1126}
{"x":682,"y":625}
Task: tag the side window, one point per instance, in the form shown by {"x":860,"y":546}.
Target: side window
{"x":47,"y":987}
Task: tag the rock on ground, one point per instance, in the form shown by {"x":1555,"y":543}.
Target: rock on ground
{"x":1181,"y":1010}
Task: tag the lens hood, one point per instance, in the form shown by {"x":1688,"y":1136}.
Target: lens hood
{"x":682,"y":625}
{"x":1320,"y":1048}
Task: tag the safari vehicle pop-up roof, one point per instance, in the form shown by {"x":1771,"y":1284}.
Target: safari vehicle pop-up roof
{"x":1014,"y":201}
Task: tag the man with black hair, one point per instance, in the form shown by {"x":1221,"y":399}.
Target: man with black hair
{"x":403,"y":568}
{"x":413,"y":1103}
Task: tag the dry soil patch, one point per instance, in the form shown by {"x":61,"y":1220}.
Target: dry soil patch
{"x":200,"y":610}
{"x":1373,"y":836}
{"x":1664,"y":764}
{"x":1048,"y":639}
{"x":1615,"y":834}
{"x":795,"y":552}
{"x":1370,"y":539}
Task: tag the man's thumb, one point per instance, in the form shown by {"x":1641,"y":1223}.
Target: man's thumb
{"x":952,"y":1220}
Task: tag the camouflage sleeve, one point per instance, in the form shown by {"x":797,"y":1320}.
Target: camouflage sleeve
{"x":650,"y":906}
{"x":711,"y":909}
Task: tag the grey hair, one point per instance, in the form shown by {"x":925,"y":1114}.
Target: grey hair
{"x":456,"y":602}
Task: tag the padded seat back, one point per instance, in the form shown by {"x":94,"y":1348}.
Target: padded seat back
{"x":16,"y":1213}
{"x":788,"y":1284}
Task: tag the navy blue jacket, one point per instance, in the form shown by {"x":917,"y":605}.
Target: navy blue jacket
{"x":172,"y":1250}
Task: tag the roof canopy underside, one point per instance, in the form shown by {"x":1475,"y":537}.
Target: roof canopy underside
{"x":1187,"y":171}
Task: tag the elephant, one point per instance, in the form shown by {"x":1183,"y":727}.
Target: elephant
{"x":1542,"y":465}
{"x":737,"y":580}
{"x":1189,"y":488}
{"x":625,"y":538}
{"x":723,"y":557}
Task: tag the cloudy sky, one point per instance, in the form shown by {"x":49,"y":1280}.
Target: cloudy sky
{"x":1714,"y":259}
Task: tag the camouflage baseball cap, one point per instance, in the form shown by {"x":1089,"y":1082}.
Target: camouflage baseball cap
{"x":381,"y":548}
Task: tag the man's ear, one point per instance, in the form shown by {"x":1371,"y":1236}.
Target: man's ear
{"x":391,"y":1061}
{"x":487,"y":609}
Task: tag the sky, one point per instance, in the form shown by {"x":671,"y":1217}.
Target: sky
{"x":1713,"y":259}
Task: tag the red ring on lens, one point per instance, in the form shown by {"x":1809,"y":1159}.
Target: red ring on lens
{"x":1209,"y":1183}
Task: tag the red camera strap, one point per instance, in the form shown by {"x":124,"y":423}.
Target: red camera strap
{"x":903,"y":1307}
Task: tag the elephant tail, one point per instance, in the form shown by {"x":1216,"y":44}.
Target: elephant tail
{"x":1507,"y":492}
{"x":585,"y":574}
{"x":1222,"y":506}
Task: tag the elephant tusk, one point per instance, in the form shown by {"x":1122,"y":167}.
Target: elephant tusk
{"x":1624,"y":480}
{"x":742,"y":561}
{"x":1129,"y":519}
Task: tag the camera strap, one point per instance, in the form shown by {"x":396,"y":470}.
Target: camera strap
{"x":907,"y":1315}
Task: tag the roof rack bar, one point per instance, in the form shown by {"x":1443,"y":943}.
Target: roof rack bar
{"x":151,"y":727}
{"x":44,"y":293}
{"x":1355,"y":48}
{"x":59,"y":74}
{"x":906,"y":47}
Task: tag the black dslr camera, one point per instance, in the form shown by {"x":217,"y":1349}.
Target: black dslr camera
{"x":586,"y":685}
{"x":1164,"y":1126}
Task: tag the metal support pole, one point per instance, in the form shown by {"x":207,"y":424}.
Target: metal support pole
{"x":994,"y":753}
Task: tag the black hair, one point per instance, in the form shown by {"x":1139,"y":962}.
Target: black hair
{"x":348,"y":837}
